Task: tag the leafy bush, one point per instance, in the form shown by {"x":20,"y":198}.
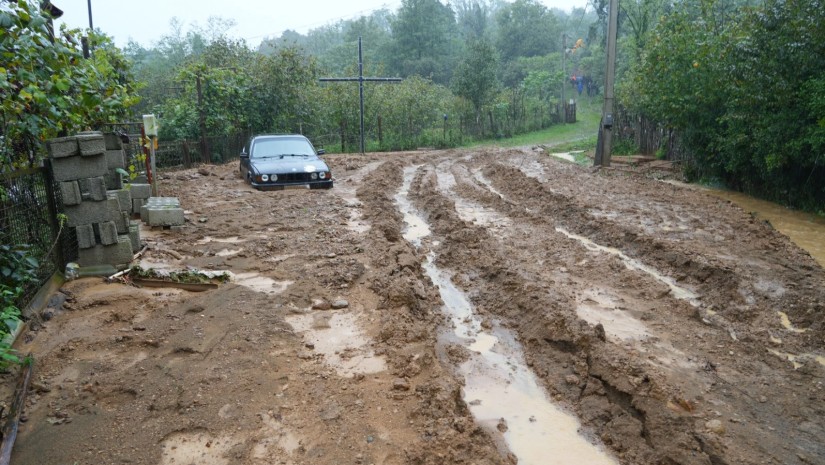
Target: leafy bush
{"x":48,"y":89}
{"x":745,"y":90}
{"x":17,"y":269}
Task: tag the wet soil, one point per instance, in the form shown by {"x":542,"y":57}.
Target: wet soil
{"x":672,"y":326}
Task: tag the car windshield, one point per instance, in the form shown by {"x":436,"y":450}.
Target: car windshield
{"x":265,"y":148}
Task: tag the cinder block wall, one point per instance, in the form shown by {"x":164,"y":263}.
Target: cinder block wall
{"x":96,"y":202}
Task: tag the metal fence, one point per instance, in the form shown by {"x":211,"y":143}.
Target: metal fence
{"x":30,"y":203}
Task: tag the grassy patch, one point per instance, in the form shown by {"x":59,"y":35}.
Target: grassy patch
{"x":580,"y":135}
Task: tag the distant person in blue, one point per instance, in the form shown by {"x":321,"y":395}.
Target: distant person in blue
{"x":579,"y":84}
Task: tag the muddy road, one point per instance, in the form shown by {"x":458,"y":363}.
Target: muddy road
{"x":486,"y":306}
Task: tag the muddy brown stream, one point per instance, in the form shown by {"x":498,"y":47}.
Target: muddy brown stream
{"x":805,"y":230}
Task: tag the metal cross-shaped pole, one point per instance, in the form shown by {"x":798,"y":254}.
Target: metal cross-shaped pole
{"x":361,"y":79}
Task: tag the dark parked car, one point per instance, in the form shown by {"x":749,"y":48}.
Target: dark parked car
{"x":274,"y":162}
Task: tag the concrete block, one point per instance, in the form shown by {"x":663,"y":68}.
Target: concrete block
{"x":112,"y":141}
{"x":124,"y":198}
{"x":93,"y":189}
{"x":85,"y":236}
{"x":141,"y":179}
{"x":157,"y":202}
{"x":113,"y":180}
{"x":92,"y":212}
{"x":122,"y":223}
{"x":163,"y":202}
{"x":91,"y":144}
{"x":164,"y":216}
{"x":70,"y":193}
{"x":137,"y":204}
{"x":74,"y":168}
{"x":141,"y":191}
{"x":115,"y":159}
{"x":134,"y":236}
{"x":107,"y":232}
{"x":119,"y":253}
{"x":63,"y":147}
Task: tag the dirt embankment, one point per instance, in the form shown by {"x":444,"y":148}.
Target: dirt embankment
{"x":678,"y":328}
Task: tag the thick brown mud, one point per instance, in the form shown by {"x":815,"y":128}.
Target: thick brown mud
{"x":669,"y":325}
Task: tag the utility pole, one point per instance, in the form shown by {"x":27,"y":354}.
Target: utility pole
{"x":91,"y":24}
{"x":361,"y":79}
{"x":564,"y":75}
{"x":607,"y":112}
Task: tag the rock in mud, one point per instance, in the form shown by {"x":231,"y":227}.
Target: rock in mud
{"x":320,"y":304}
{"x":502,"y":425}
{"x":715,"y":426}
{"x":339,"y":304}
{"x":400,"y":384}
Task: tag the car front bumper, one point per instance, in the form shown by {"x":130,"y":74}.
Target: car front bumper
{"x":279,"y":186}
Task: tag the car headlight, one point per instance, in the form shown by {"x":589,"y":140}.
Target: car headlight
{"x":273,"y":177}
{"x":322,"y":175}
{"x":264,"y":177}
{"x":314,"y":176}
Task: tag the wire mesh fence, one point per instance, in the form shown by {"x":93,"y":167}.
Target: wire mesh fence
{"x":29,"y":207}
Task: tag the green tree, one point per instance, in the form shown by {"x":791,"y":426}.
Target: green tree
{"x":744,"y":89}
{"x":475,"y":76}
{"x":423,"y":39}
{"x":526,"y":28}
{"x":47,"y":88}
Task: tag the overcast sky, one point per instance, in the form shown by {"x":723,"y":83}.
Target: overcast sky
{"x":146,"y":20}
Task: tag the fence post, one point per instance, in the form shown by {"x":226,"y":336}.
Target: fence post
{"x":343,"y":126}
{"x":187,"y":160}
{"x":51,"y":194}
{"x":380,"y":133}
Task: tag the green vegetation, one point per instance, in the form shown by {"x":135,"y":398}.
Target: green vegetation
{"x":187,"y":276}
{"x":48,"y":89}
{"x":17,"y":269}
{"x":739,"y":82}
{"x":744,"y":85}
{"x":580,"y":135}
{"x":492,"y":68}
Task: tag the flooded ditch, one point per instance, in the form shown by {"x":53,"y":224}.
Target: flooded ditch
{"x":503,"y":394}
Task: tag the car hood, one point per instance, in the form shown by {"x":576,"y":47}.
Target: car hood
{"x":288,"y":165}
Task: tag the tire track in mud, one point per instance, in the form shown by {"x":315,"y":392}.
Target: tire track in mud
{"x":566,"y":333}
{"x":411,"y":316}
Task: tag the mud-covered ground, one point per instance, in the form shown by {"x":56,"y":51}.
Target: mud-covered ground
{"x":676,"y":327}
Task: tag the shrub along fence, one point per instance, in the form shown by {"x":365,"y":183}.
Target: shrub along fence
{"x":30,"y":208}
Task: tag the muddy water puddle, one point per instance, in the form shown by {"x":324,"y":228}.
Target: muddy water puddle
{"x":619,"y":325}
{"x":566,"y":156}
{"x":503,"y":394}
{"x":339,"y":338}
{"x":416,"y":229}
{"x":804,"y":229}
{"x":260,"y":283}
{"x":469,"y":211}
{"x":347,"y":192}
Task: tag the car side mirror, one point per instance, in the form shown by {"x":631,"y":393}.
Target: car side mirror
{"x":244,"y":154}
{"x":321,"y":151}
